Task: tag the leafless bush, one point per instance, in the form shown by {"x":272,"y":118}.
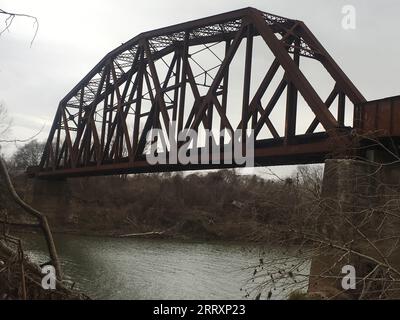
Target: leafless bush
{"x":352,"y":220}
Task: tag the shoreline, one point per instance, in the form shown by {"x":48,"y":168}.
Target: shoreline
{"x":114,"y":235}
{"x":22,"y":279}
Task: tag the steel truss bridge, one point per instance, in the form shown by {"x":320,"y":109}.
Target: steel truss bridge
{"x":184,"y":75}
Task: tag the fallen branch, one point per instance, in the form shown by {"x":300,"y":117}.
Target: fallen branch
{"x":38,"y":215}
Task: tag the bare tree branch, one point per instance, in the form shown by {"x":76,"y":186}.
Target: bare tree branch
{"x":10,"y":18}
{"x":23,"y":140}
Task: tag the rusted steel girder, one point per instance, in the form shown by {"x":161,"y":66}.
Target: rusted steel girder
{"x":149,"y":82}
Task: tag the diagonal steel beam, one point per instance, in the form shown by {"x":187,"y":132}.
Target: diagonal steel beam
{"x":331,"y":66}
{"x":218,"y":78}
{"x":293,"y":72}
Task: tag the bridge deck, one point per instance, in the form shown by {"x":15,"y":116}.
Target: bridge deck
{"x":312,"y":149}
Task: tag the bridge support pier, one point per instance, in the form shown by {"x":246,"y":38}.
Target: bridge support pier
{"x":358,"y":226}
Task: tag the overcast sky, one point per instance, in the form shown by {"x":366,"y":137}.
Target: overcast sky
{"x":74,"y":35}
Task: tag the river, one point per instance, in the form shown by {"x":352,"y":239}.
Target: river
{"x":131,"y":268}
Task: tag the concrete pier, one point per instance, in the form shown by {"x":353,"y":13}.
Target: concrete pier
{"x":359,"y":225}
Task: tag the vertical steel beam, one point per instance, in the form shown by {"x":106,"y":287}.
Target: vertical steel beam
{"x":341,"y":108}
{"x":105,"y":114}
{"x":291,"y":100}
{"x":247,"y":81}
{"x":57,"y":146}
{"x":177,"y":85}
{"x":139,"y":97}
{"x":185,"y":62}
{"x":225,"y":86}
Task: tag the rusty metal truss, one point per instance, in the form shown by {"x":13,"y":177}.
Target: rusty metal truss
{"x":161,"y":77}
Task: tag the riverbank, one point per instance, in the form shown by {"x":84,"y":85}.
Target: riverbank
{"x":215,"y":206}
{"x":163,"y":235}
{"x":20,"y":278}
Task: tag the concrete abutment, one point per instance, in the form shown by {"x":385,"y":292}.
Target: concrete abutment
{"x":359,"y":226}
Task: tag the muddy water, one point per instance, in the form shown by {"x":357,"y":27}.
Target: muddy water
{"x":112,"y":268}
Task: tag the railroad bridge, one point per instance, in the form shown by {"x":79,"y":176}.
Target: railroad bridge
{"x":244,"y":69}
{"x":241,"y":70}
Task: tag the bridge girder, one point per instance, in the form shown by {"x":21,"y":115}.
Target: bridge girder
{"x":149,"y":82}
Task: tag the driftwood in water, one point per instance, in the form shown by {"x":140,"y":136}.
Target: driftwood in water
{"x":144,"y":234}
{"x":38,"y":215}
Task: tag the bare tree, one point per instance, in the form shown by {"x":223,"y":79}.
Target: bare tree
{"x":10,"y":16}
{"x":355,"y":223}
{"x":28,"y":155}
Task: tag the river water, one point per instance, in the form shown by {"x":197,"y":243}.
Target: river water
{"x":127,"y":268}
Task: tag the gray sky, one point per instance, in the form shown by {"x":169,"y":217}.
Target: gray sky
{"x":74,"y":35}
